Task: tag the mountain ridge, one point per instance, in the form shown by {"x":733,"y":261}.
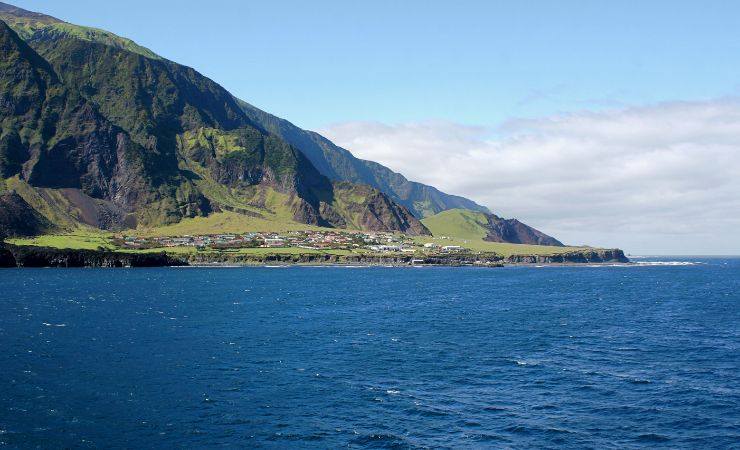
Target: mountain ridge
{"x":33,"y":25}
{"x":338,"y":163}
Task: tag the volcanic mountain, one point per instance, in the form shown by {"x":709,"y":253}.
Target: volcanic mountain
{"x":96,"y":130}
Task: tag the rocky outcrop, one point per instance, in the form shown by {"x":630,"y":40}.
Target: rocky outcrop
{"x":577,"y":257}
{"x":6,"y":258}
{"x":382,"y":214}
{"x":32,"y":256}
{"x":516,"y":232}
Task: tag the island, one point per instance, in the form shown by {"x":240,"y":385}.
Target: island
{"x":114,"y":156}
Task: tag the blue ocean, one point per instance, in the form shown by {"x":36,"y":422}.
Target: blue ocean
{"x":645,"y":355}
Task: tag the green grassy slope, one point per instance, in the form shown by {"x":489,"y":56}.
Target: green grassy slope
{"x":458,"y":223}
{"x":31,"y":26}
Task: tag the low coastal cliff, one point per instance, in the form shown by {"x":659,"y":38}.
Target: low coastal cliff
{"x":30,"y":256}
{"x":577,"y":257}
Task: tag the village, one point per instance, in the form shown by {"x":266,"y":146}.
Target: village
{"x":381,"y":242}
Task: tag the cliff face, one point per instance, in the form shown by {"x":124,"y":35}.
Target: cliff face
{"x":578,"y":257}
{"x":140,"y":140}
{"x":54,"y":138}
{"x":30,"y":256}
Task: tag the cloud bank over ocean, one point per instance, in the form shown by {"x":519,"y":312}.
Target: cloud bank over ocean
{"x":662,"y":178}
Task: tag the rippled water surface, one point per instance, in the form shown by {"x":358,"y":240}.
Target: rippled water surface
{"x":604,"y":357}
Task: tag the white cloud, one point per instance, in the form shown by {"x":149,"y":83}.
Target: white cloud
{"x":663,"y":179}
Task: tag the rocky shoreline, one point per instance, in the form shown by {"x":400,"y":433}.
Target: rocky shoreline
{"x":31,"y":256}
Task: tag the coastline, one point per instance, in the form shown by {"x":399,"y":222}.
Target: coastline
{"x":13,"y":256}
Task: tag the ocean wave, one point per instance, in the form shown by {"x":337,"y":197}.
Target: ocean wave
{"x":521,"y":362}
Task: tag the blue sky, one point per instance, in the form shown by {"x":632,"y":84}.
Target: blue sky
{"x":477,"y":62}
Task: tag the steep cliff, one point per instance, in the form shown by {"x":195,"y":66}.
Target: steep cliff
{"x":125,"y":138}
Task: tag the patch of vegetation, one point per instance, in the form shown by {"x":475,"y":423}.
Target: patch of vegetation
{"x":81,"y":239}
{"x":224,"y":222}
{"x":219,"y":142}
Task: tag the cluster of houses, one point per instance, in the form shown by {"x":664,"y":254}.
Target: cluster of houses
{"x":215,"y":241}
{"x":377,"y":242}
{"x":443,"y":248}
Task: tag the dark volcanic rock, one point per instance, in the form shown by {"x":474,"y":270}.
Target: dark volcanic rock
{"x":580,"y":256}
{"x":382,"y":214}
{"x":6,"y":257}
{"x":18,"y":218}
{"x":32,"y":256}
{"x":516,"y":232}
